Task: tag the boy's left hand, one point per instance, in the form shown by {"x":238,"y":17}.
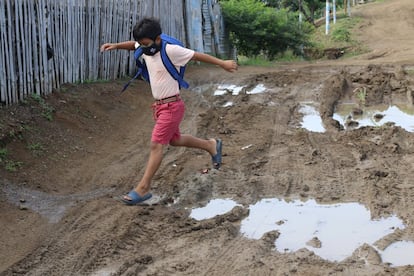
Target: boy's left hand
{"x":229,"y":65}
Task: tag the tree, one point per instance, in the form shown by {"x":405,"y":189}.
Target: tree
{"x":258,"y":29}
{"x":307,"y":7}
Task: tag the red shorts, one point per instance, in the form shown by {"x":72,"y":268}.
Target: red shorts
{"x":167,"y":117}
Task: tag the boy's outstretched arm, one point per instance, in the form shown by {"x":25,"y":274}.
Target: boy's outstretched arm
{"x":228,"y":65}
{"x":126,"y":45}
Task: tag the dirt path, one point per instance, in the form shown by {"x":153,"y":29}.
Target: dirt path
{"x":387,"y":30}
{"x":59,"y":216}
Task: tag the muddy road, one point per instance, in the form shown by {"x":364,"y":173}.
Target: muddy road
{"x":342,"y":191}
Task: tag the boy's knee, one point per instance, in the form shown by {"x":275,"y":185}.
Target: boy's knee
{"x":156,"y":146}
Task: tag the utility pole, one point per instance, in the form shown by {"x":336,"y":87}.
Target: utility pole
{"x":334,"y":11}
{"x":327,"y":18}
{"x":300,"y":24}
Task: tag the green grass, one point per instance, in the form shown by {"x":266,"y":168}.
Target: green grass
{"x":47,"y":110}
{"x":409,"y":72}
{"x":261,"y":60}
{"x":3,"y":154}
{"x":36,"y":148}
{"x":257,"y":61}
{"x":361,"y":94}
{"x":9,"y":165}
{"x":341,"y":35}
{"x":89,"y":81}
{"x":12,"y":166}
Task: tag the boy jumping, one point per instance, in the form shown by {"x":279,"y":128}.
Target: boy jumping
{"x":168,"y":106}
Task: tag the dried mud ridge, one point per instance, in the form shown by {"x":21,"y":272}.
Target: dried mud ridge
{"x":369,"y":165}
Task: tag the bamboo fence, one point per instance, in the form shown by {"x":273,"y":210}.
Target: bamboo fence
{"x":75,"y":30}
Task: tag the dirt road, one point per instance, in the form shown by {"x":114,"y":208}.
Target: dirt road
{"x":59,"y":216}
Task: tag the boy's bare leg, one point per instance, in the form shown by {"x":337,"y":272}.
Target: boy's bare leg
{"x":190,"y":141}
{"x":156,"y":155}
{"x":154,"y":163}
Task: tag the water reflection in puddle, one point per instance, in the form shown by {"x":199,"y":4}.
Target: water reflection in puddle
{"x":399,"y":253}
{"x":372,"y":116}
{"x":377,"y":116}
{"x":235,"y":90}
{"x":311,"y":121}
{"x":53,"y":207}
{"x":228,"y":88}
{"x":339,"y":229}
{"x":213,"y":208}
{"x":260,"y":88}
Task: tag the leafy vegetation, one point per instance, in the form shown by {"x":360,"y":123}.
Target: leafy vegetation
{"x":264,"y":31}
{"x":256,"y":29}
{"x":309,"y":8}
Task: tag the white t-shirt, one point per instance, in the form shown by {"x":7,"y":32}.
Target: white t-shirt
{"x":163,"y":85}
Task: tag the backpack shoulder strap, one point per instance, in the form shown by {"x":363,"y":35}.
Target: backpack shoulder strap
{"x":142,"y":69}
{"x":177,"y":75}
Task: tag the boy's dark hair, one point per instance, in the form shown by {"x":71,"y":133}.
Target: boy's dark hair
{"x":148,"y":27}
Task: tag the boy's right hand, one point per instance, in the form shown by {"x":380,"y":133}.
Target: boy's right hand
{"x":108,"y":46}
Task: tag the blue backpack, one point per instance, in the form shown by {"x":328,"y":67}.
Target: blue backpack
{"x":142,"y":67}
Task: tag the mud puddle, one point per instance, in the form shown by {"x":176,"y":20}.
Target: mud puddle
{"x":311,"y":120}
{"x":213,"y":208}
{"x":399,"y":253}
{"x":52,"y":207}
{"x":235,"y":90}
{"x":351,"y":117}
{"x":331,"y":231}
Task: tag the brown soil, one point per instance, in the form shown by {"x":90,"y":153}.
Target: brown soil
{"x":59,"y":217}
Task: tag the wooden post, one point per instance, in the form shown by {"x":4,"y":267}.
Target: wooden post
{"x":327,"y":18}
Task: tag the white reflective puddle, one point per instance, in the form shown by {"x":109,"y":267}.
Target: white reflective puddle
{"x":223,"y":89}
{"x":372,"y":116}
{"x":214,"y":207}
{"x":235,"y":90}
{"x":260,"y":88}
{"x":339,"y":228}
{"x":311,"y":121}
{"x":228,"y":104}
{"x":399,"y":253}
{"x":377,"y":116}
{"x":331,"y":231}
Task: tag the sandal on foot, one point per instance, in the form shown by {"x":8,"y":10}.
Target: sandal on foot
{"x":135,"y":198}
{"x":216,"y":159}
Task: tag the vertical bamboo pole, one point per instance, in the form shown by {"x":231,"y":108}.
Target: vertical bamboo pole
{"x":51,"y":25}
{"x":44,"y":75}
{"x":90,"y":38}
{"x":19,"y":48}
{"x":9,"y":56}
{"x":29,"y":64}
{"x":68,"y":50}
{"x":4,"y":70}
{"x":74,"y":19}
{"x":36,"y":50}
